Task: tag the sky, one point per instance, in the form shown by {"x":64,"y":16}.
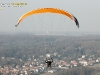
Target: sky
{"x":86,"y":11}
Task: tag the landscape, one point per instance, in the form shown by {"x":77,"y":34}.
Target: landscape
{"x":49,"y":37}
{"x":72,"y":55}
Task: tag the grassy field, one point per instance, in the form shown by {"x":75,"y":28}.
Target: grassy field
{"x":97,"y":65}
{"x":47,"y":74}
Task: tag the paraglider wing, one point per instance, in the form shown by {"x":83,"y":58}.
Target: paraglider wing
{"x":76,"y":21}
{"x":46,"y":10}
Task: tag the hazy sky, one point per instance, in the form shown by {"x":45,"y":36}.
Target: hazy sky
{"x":86,"y":11}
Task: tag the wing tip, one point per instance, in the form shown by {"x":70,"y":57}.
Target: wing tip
{"x":16,"y":25}
{"x":76,"y":21}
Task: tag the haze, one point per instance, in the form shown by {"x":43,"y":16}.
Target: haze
{"x":86,"y":11}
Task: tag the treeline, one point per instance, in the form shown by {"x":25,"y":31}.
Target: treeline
{"x":20,"y":46}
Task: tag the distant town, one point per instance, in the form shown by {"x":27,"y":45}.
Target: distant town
{"x":35,"y":66}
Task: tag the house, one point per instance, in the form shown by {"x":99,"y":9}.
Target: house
{"x":74,"y":63}
{"x":83,"y":56}
{"x":14,"y":71}
{"x":80,"y":59}
{"x":97,"y":61}
{"x":51,"y":71}
{"x":91,"y":62}
{"x":25,"y":68}
{"x":83,"y":62}
{"x":68,"y":65}
{"x":89,"y":58}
